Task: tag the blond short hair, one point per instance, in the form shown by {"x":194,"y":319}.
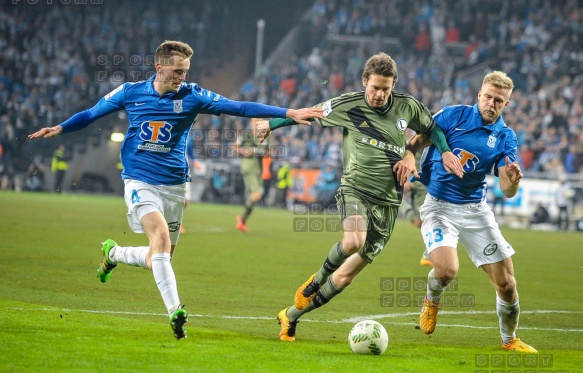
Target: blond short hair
{"x":171,"y":48}
{"x":499,"y":79}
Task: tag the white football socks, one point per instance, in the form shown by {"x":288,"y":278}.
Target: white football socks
{"x":130,"y":255}
{"x":434,"y":288}
{"x":165,"y":280}
{"x":508,"y":314}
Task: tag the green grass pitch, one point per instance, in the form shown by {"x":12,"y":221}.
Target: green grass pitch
{"x":55,"y":316}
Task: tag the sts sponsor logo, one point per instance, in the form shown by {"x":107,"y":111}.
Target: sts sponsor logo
{"x":156,"y":132}
{"x":155,"y":135}
{"x":468,"y":160}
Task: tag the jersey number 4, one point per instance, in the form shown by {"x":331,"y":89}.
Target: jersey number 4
{"x":135,"y":197}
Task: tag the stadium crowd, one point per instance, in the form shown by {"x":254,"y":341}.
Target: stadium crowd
{"x":48,"y":72}
{"x":538,"y":43}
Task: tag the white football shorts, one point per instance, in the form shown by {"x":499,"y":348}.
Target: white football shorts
{"x":444,"y":224}
{"x":142,"y":198}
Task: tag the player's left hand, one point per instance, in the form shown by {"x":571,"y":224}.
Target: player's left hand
{"x":513,"y":171}
{"x":405,"y":167}
{"x":262,"y":131}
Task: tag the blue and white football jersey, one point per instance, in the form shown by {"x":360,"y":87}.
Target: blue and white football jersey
{"x":154,"y":149}
{"x":480,"y":148}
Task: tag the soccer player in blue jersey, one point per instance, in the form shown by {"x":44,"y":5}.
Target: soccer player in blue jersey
{"x":455,"y":209}
{"x":161,"y":111}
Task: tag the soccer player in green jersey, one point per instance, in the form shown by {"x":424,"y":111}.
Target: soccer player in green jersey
{"x":250,"y":152}
{"x":376,"y":165}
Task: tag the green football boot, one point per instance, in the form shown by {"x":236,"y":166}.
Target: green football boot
{"x":106,"y":267}
{"x":177,"y":320}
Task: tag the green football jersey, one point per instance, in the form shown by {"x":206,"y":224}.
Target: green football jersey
{"x":251,"y":163}
{"x":374,"y":141}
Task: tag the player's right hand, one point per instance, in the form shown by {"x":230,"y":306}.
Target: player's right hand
{"x":47,"y":132}
{"x":452,"y":164}
{"x":303,"y":116}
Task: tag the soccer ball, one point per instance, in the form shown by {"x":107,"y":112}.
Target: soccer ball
{"x":368,"y":337}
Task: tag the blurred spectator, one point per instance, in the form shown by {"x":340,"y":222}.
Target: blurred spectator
{"x":540,"y":215}
{"x":284,"y":183}
{"x":5,"y":174}
{"x":266,"y":176}
{"x":59,"y":165}
{"x":563,"y":197}
{"x":423,"y":41}
{"x":218,"y":188}
{"x":326,"y":186}
{"x":35,"y":176}
{"x":452,"y":34}
{"x":499,"y":200}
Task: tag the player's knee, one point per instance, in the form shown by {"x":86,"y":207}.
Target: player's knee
{"x":256,"y":196}
{"x":507,"y":288}
{"x":445,"y":275}
{"x":352,"y":243}
{"x":160,"y":243}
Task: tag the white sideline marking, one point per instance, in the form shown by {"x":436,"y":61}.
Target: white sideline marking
{"x":343,"y":321}
{"x":203,"y":229}
{"x":468,"y":312}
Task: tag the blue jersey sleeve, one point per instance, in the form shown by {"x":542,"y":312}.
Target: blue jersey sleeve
{"x":112,"y":102}
{"x":443,"y":119}
{"x":253,"y":109}
{"x":213,"y":103}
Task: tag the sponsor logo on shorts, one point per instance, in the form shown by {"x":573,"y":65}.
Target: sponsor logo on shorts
{"x":490,"y":249}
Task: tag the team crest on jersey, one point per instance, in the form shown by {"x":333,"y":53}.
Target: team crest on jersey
{"x":177,"y":106}
{"x":491,"y":141}
{"x":402,"y":125}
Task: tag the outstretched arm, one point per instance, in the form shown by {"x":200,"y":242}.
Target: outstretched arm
{"x":108,"y":104}
{"x":74,"y":123}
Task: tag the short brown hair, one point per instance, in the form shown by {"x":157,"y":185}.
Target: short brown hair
{"x":171,"y":48}
{"x":499,"y":79}
{"x":380,"y":64}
